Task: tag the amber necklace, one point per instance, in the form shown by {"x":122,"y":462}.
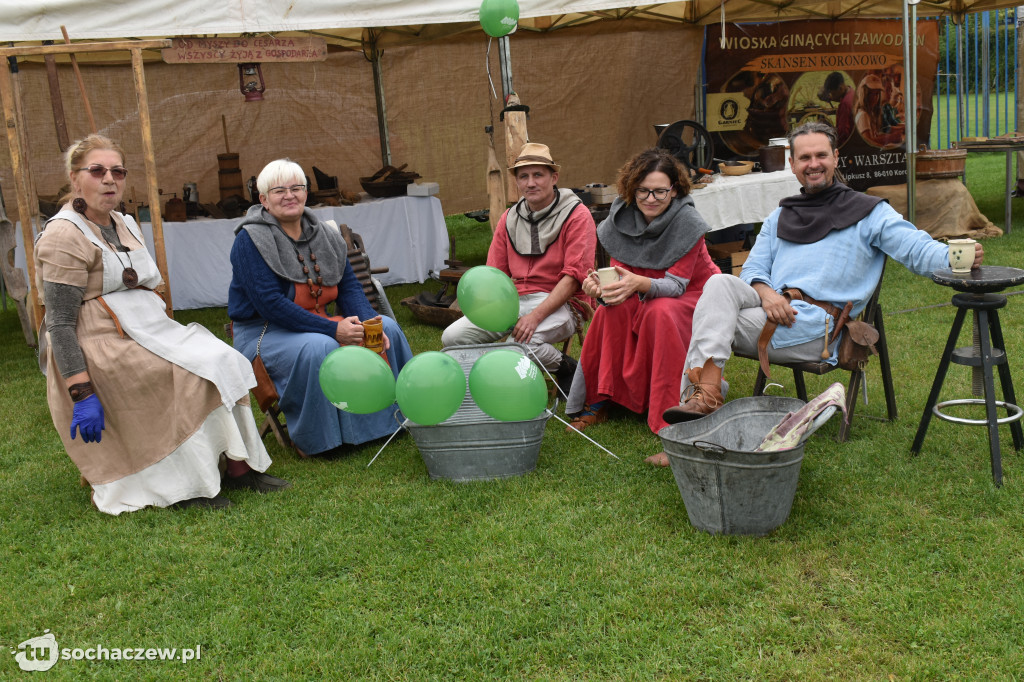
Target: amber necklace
{"x":309,"y":279}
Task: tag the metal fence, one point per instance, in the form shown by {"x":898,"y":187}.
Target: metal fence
{"x":976,"y":85}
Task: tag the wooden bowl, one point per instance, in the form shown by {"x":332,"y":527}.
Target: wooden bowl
{"x":435,"y":315}
{"x":736,"y":167}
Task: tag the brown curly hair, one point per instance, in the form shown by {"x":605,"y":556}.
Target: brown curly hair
{"x":651,"y":161}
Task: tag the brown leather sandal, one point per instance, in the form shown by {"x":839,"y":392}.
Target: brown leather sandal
{"x":588,"y":417}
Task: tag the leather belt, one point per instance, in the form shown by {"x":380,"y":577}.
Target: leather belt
{"x":839,"y":315}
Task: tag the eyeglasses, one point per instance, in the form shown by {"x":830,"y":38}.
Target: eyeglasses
{"x":659,"y":194}
{"x":281,"y":191}
{"x":99,"y":172}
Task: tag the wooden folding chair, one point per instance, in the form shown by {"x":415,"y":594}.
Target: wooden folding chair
{"x":872,"y":314}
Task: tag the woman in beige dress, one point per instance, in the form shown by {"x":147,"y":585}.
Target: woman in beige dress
{"x":144,"y":406}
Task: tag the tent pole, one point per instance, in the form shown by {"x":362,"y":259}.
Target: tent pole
{"x":910,"y":98}
{"x":22,"y":182}
{"x":960,"y":103}
{"x":505,"y":62}
{"x":149,"y":157}
{"x":382,"y":110}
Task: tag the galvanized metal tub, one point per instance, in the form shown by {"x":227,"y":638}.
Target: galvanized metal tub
{"x":472,"y":446}
{"x":727,"y":487}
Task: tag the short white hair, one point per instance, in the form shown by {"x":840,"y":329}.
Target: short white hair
{"x":280,"y":173}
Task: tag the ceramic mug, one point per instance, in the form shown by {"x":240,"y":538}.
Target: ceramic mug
{"x":607,"y":276}
{"x":373,"y":335}
{"x":961,"y":255}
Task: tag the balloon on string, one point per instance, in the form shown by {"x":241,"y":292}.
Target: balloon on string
{"x":488,"y":298}
{"x":508,"y":386}
{"x":499,"y":17}
{"x":357,"y":380}
{"x":430,"y":388}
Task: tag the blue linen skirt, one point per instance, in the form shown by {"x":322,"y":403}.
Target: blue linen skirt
{"x":293,"y":361}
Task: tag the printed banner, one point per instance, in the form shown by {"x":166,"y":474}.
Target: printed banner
{"x":765,"y":79}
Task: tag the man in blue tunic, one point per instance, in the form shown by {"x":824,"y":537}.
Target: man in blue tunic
{"x":829,"y":243}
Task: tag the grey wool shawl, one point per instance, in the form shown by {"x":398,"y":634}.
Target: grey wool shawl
{"x":279,"y":250}
{"x":657,"y":245}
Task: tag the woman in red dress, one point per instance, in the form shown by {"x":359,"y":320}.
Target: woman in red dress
{"x":636,"y":344}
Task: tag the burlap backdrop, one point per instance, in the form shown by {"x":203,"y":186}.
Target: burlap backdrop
{"x":594,"y":93}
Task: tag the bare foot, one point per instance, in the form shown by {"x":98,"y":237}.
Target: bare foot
{"x":658,"y":460}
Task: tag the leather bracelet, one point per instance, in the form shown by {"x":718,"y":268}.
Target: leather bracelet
{"x":80,"y":392}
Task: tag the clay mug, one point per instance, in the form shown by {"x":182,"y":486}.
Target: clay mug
{"x":961,"y":255}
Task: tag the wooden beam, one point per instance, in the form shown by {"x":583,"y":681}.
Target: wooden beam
{"x":111,"y":46}
{"x":57,"y":102}
{"x":150,"y":158}
{"x":81,"y":86}
{"x":20,"y":168}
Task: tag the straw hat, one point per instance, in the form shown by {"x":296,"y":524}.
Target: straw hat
{"x":533,"y":154}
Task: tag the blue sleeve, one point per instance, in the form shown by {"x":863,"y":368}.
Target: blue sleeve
{"x":904,"y":243}
{"x":351,"y":299}
{"x":254,"y":285}
{"x":758,"y":266}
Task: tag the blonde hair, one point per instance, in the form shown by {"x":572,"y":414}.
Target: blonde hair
{"x":277,"y":173}
{"x":77,"y":152}
{"x":80,"y":149}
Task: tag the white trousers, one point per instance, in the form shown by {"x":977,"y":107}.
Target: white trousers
{"x":729,"y":318}
{"x":556,"y":327}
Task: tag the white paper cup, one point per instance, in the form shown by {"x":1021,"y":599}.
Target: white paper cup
{"x":607,"y":276}
{"x":961,"y":255}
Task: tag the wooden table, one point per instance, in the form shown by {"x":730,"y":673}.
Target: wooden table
{"x":996,"y":145}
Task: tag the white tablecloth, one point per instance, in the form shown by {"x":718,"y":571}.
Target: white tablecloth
{"x":406,"y":234}
{"x":737,"y":199}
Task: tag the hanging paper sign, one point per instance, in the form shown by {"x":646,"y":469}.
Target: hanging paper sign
{"x":263,"y":48}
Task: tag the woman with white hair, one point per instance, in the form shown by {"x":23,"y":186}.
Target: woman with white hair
{"x":287,"y":268}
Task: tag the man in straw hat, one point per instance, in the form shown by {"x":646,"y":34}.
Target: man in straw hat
{"x":545,"y":243}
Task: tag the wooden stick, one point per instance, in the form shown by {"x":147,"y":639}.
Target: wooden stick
{"x":224,"y":124}
{"x":111,"y":46}
{"x":56,"y":101}
{"x":150,"y":158}
{"x":81,"y":83}
{"x":20,"y":172}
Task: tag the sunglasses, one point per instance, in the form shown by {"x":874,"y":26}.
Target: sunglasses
{"x":99,"y":172}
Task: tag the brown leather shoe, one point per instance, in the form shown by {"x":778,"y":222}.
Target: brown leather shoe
{"x":704,"y":399}
{"x":588,"y":417}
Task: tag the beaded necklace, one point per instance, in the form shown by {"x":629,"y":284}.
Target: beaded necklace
{"x":309,"y":280}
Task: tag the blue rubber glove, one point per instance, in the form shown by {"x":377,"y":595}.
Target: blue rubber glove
{"x":88,"y":417}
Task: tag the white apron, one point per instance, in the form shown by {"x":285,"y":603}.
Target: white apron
{"x":141,"y":314}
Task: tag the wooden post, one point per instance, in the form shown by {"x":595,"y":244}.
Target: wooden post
{"x":81,"y":84}
{"x":515,"y":137}
{"x":56,"y":100}
{"x":150,"y":159}
{"x":21,"y":186}
{"x":495,"y":185}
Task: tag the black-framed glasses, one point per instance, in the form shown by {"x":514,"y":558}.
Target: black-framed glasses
{"x":659,"y":194}
{"x":281,"y":191}
{"x":99,"y":172}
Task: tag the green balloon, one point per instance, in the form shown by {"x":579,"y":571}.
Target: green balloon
{"x":499,"y":17}
{"x":357,"y":380}
{"x":488,"y":298}
{"x":430,"y":388}
{"x":508,"y":386}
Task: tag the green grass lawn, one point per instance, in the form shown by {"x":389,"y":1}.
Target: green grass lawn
{"x":890,"y":567}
